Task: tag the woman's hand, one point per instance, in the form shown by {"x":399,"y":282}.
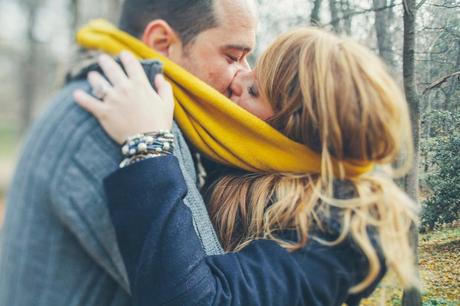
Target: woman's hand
{"x":130,"y":105}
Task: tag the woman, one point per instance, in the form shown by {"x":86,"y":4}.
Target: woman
{"x":294,"y":239}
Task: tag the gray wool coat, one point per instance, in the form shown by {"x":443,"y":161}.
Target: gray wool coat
{"x":58,"y":245}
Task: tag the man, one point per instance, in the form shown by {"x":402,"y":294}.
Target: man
{"x":59,"y":246}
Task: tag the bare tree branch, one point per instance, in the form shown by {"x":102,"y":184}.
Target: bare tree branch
{"x":365,"y":11}
{"x":422,"y":2}
{"x":444,"y":5}
{"x":440,"y":81}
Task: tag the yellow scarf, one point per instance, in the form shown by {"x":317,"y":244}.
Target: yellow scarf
{"x":215,"y":125}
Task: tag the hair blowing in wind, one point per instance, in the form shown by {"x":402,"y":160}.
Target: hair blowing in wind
{"x":336,"y":97}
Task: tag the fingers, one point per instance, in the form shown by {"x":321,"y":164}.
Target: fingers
{"x":112,"y":70}
{"x":99,"y":84}
{"x":89,"y":103}
{"x":164,"y":89}
{"x":133,"y":67}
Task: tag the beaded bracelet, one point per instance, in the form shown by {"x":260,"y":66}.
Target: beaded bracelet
{"x":147,"y":145}
{"x":161,"y":141}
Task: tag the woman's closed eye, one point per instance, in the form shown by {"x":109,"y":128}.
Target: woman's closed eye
{"x":253,"y":91}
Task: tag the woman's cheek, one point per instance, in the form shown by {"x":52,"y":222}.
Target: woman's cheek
{"x":255,"y":109}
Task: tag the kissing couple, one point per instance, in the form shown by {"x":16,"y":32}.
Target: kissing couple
{"x":188,"y":178}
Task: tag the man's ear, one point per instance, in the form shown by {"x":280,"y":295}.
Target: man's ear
{"x":159,"y":35}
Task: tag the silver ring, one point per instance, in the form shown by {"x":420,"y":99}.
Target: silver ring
{"x":100,"y":91}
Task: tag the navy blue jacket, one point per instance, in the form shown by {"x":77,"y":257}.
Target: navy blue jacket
{"x":166,"y":263}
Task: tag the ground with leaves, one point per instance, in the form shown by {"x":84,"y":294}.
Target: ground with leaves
{"x":439,"y":257}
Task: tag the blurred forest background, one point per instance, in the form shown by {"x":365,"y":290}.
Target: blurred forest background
{"x":418,"y":40}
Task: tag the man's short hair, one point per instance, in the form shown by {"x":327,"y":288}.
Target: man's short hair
{"x":187,"y":18}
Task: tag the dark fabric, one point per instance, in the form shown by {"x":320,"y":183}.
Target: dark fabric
{"x":58,"y":245}
{"x":164,"y":258}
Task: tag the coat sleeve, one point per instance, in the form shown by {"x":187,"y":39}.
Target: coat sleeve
{"x":167,"y":266}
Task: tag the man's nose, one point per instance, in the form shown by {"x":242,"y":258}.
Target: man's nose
{"x":237,"y":84}
{"x":245,"y":65}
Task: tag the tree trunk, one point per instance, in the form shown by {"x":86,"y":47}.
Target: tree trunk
{"x":382,"y":24}
{"x":345,"y":8}
{"x":74,"y":15}
{"x":335,"y":21}
{"x":314,"y":16}
{"x":29,"y":73}
{"x":411,"y":297}
{"x":454,"y":81}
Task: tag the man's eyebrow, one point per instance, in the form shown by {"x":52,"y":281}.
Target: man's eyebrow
{"x":242,"y":48}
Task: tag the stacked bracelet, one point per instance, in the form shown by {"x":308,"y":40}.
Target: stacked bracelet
{"x":147,"y":145}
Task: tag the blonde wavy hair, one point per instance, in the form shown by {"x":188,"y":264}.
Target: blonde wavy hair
{"x":336,"y":97}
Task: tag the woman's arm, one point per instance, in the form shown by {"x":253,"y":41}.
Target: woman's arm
{"x":167,"y":265}
{"x":164,"y":258}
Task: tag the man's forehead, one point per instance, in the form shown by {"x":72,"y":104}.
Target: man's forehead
{"x":237,"y":27}
{"x":237,"y":12}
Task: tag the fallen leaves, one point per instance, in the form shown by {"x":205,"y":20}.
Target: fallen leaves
{"x":439,"y":260}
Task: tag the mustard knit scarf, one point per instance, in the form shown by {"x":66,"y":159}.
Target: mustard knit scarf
{"x":215,"y":125}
